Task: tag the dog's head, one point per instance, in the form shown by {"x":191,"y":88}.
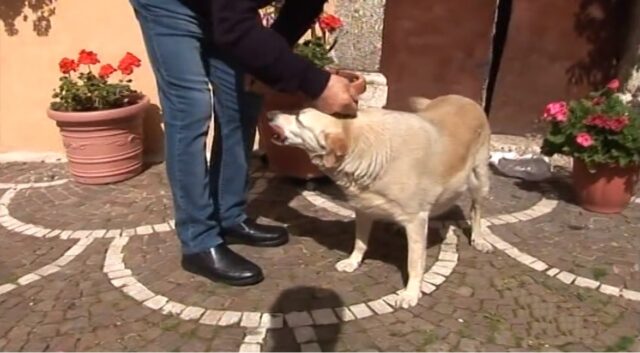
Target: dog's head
{"x":321,"y":135}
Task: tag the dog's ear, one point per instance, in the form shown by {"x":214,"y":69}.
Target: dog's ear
{"x":418,"y":104}
{"x":336,"y":144}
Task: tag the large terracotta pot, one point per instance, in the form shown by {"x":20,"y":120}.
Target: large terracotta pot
{"x":607,"y":190}
{"x":290,"y":161}
{"x":105,"y":146}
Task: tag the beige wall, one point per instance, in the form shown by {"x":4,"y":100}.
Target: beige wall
{"x":29,"y":72}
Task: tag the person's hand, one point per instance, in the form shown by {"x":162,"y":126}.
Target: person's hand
{"x":338,"y":97}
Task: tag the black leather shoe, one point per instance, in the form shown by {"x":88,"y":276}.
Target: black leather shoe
{"x":221,"y":264}
{"x":249,"y":232}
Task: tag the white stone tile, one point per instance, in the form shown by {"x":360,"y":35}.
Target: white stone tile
{"x":553,"y":271}
{"x":380,"y":307}
{"x":566,"y":277}
{"x":33,"y":230}
{"x":79,"y":234}
{"x":128,"y":232}
{"x":250,"y":319}
{"x":610,"y":290}
{"x":427,"y":287}
{"x":162,"y":227}
{"x":631,"y":294}
{"x":324,"y":317}
{"x":344,"y":314}
{"x":496,"y":221}
{"x":66,"y":234}
{"x":98,"y":233}
{"x":118,"y":274}
{"x":28,"y":278}
{"x":433,"y":278}
{"x":172,"y":308}
{"x":144,"y":230}
{"x":538,"y":265}
{"x":211,"y":317}
{"x":447,"y":256}
{"x":249,"y":348}
{"x":255,"y":335}
{"x":53,"y":233}
{"x":230,"y":318}
{"x":124,"y":281}
{"x":586,"y":282}
{"x":273,"y":321}
{"x":7,"y":287}
{"x":156,"y":302}
{"x":47,"y":270}
{"x":113,"y":233}
{"x":138,"y":292}
{"x":298,"y":318}
{"x":75,"y":250}
{"x":42,"y":233}
{"x":192,"y":313}
{"x":360,"y":310}
{"x":114,"y":267}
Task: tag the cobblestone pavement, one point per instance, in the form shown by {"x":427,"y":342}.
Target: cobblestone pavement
{"x":97,"y":268}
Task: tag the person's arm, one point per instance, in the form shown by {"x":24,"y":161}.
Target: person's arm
{"x":263,"y":52}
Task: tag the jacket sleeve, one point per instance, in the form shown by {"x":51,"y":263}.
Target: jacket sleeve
{"x":295,"y":18}
{"x":264,"y":52}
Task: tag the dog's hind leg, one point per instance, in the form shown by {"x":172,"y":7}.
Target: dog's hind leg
{"x":479,"y":189}
{"x":363,"y":230}
{"x":417,"y":243}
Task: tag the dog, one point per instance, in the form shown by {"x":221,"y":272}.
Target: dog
{"x":399,"y":166}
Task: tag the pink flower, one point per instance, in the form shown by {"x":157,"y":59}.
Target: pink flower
{"x":584,"y":139}
{"x":614,"y":85}
{"x":556,"y":111}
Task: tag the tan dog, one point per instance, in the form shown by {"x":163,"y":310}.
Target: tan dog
{"x":399,"y":166}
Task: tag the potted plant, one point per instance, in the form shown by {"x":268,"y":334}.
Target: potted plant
{"x":602,"y":134}
{"x":100,"y":118}
{"x":290,"y":161}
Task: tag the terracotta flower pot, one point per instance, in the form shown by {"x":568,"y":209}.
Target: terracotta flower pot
{"x":607,"y":190}
{"x":290,"y":161}
{"x":105,"y":146}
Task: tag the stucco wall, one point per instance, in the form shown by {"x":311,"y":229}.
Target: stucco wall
{"x":29,"y":73}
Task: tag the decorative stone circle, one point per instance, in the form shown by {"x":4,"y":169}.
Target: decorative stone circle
{"x":258,"y":323}
{"x":543,"y":207}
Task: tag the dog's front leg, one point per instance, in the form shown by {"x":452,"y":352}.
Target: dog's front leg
{"x":417,"y":243}
{"x":363,"y":229}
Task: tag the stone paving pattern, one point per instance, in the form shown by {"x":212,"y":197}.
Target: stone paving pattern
{"x":489,"y":303}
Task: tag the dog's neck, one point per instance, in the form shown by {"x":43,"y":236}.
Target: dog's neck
{"x":366,"y":157}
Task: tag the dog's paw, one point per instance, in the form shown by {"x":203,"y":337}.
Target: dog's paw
{"x":481,"y":245}
{"x":347,"y":265}
{"x":407,"y":299}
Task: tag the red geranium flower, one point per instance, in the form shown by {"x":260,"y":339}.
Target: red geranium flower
{"x":329,"y":23}
{"x":88,"y":57}
{"x":67,"y":65}
{"x":106,"y":71}
{"x":127,"y":63}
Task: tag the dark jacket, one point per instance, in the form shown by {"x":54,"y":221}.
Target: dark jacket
{"x":266,"y":53}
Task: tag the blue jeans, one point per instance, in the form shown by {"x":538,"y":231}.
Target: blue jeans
{"x":206,"y":198}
